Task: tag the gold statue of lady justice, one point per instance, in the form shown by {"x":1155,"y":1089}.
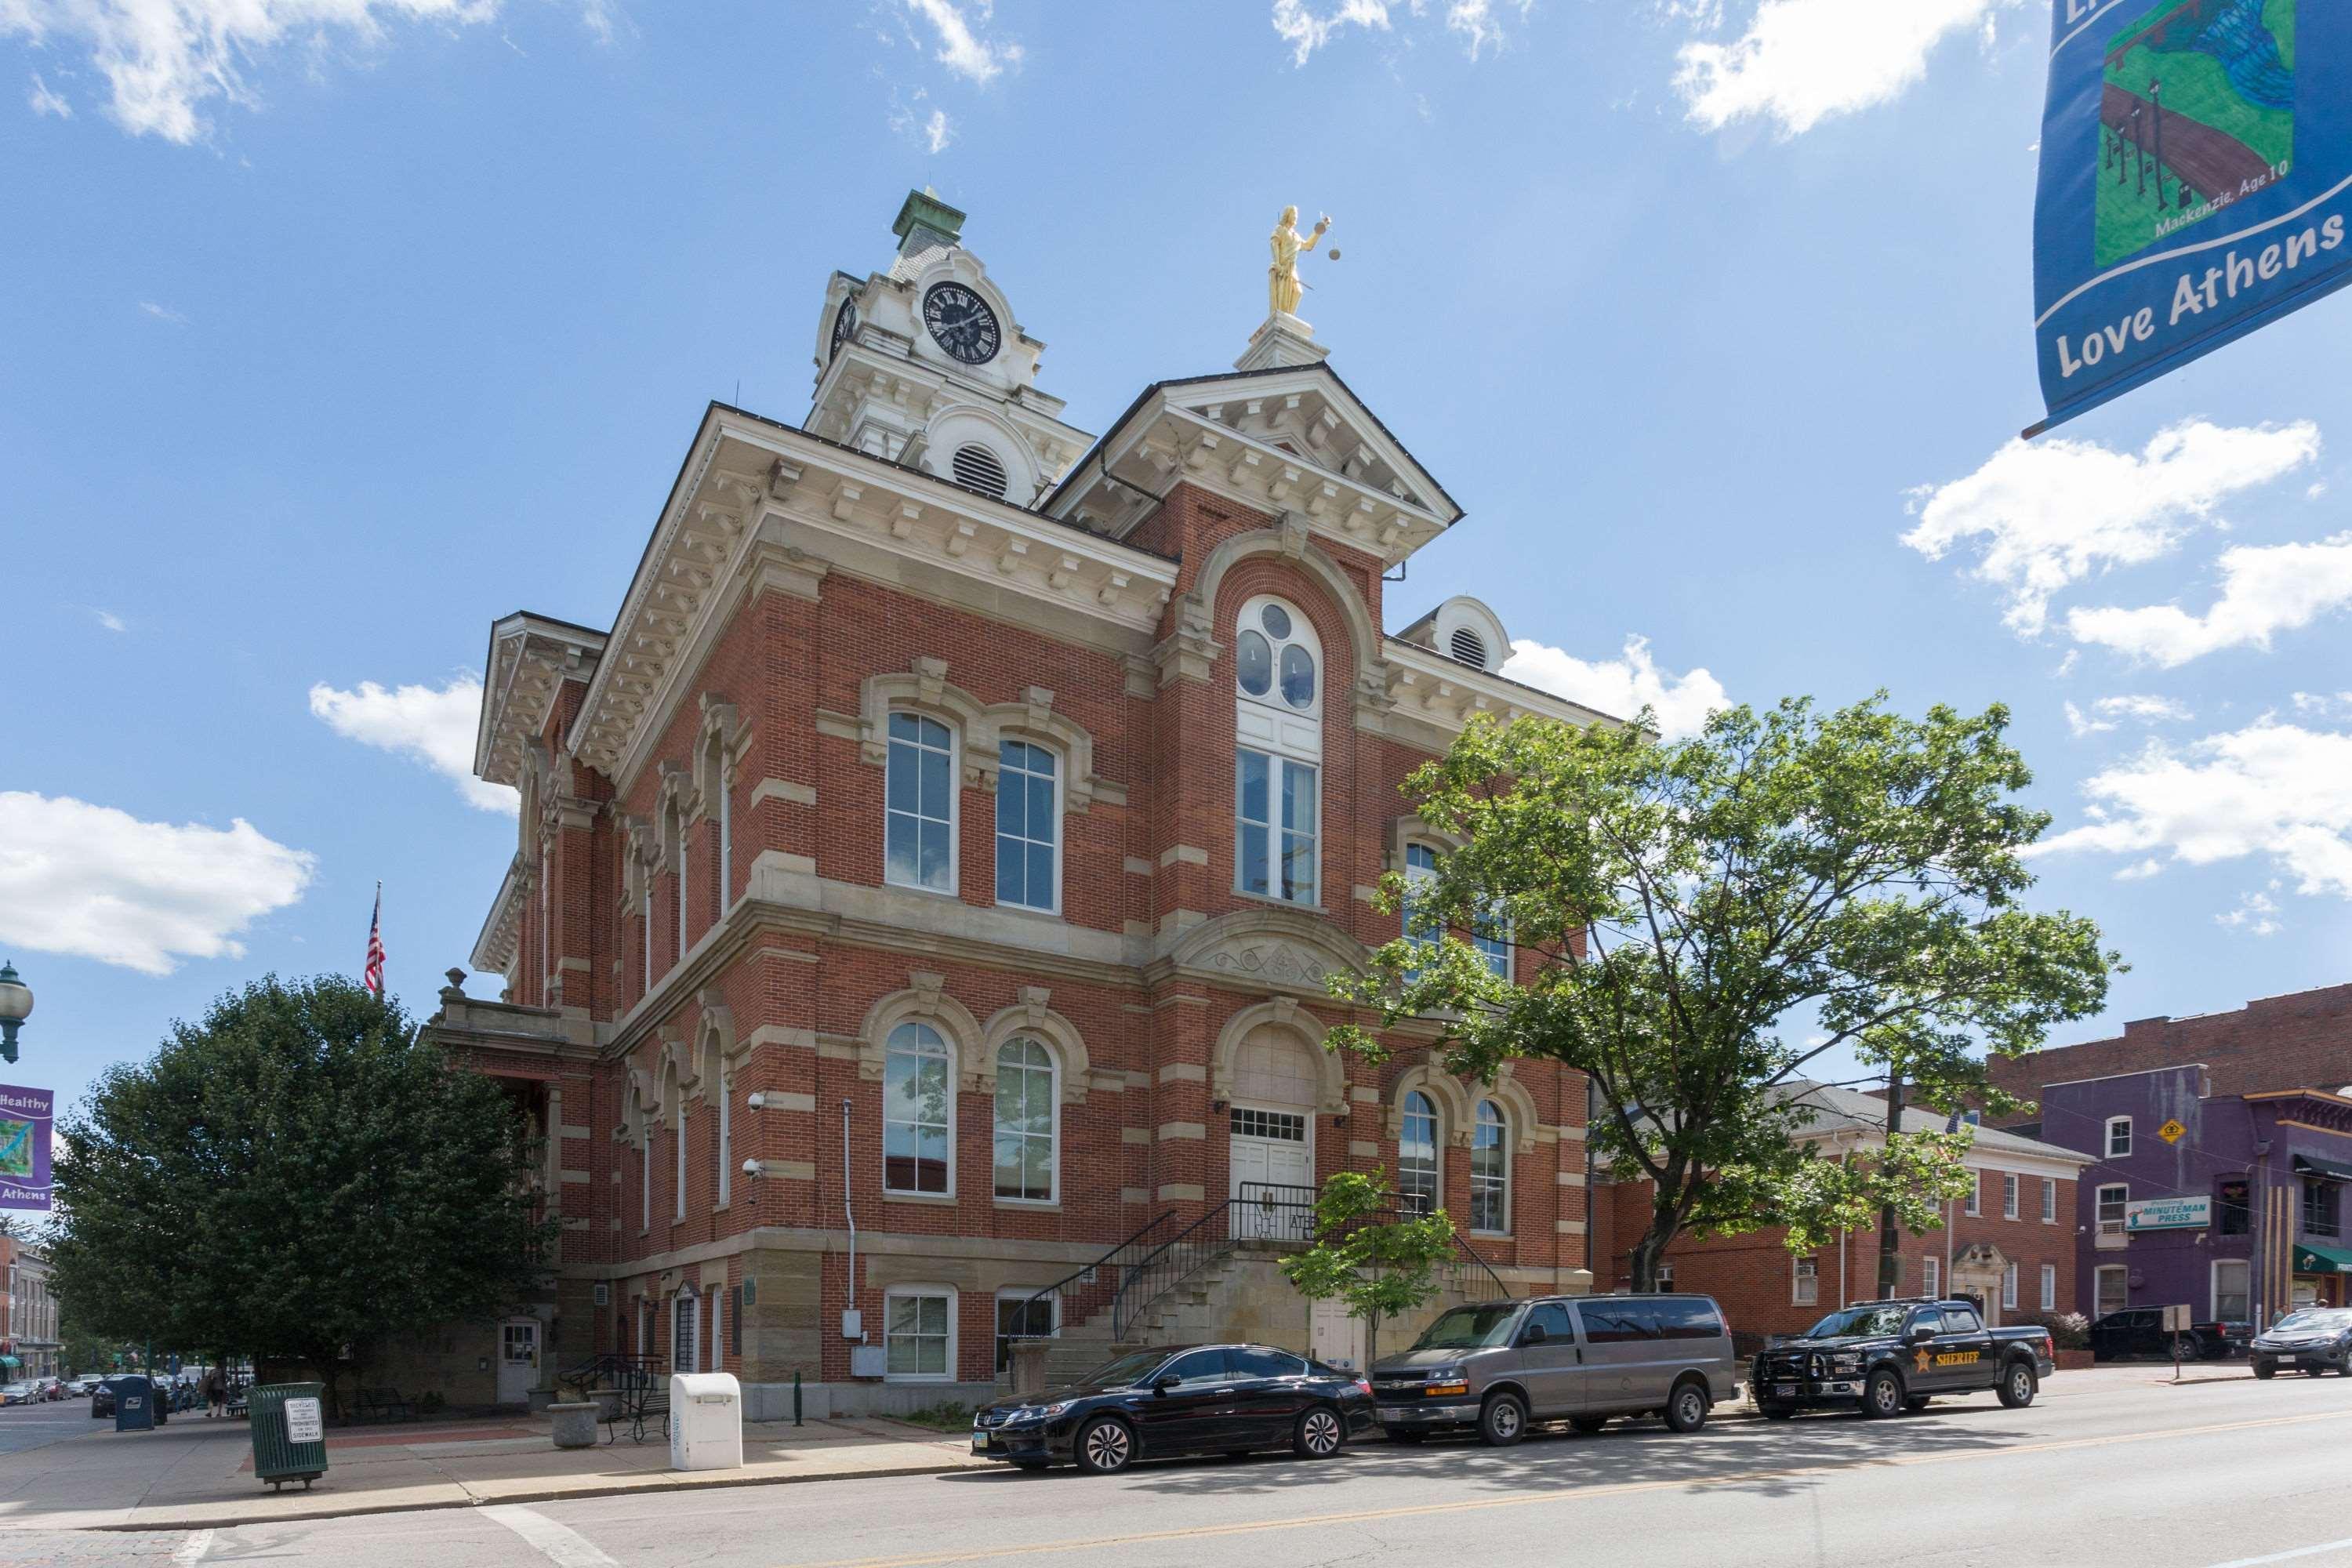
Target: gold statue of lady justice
{"x":1283,"y":289}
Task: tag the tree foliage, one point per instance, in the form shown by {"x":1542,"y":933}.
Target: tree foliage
{"x":1378,"y":1262}
{"x":1716,"y":915}
{"x":294,"y":1175}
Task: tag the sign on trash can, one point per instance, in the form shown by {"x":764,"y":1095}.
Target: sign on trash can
{"x":290,"y":1432}
{"x":706,"y":1421}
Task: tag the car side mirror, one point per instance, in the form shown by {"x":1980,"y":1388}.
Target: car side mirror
{"x":1164,"y":1382}
{"x":1534,"y":1334}
{"x":1921,"y":1334}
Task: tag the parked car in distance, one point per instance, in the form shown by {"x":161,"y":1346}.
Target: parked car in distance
{"x":1190,"y":1399}
{"x":1887,"y":1357}
{"x":2313,"y":1340}
{"x":1498,"y":1367}
{"x":20,"y":1393}
{"x":2139,"y":1332}
{"x":101,"y":1400}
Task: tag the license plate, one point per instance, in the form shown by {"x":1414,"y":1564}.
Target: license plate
{"x":1785,"y":1389}
{"x":979,"y":1442}
{"x":1391,"y":1412}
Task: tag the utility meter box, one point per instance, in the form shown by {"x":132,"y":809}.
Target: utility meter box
{"x":870,"y":1361}
{"x":706,"y":1421}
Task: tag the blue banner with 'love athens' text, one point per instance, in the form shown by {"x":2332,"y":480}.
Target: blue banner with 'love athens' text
{"x":2196,"y":182}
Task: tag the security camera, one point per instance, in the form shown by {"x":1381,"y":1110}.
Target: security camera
{"x":750,"y":1167}
{"x":757,"y":1102}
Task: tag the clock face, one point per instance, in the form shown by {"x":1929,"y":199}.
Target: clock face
{"x":961,"y":323}
{"x":845,"y":322}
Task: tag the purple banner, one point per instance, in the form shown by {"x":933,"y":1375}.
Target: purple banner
{"x":25,"y":1118}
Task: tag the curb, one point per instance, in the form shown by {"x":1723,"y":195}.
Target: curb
{"x":550,"y":1494}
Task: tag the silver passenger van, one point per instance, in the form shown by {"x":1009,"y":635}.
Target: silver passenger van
{"x":1499,"y":1366}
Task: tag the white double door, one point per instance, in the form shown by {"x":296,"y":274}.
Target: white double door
{"x":1272,"y":1149}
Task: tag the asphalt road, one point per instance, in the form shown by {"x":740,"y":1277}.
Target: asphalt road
{"x":24,"y":1426}
{"x":2234,"y":1474}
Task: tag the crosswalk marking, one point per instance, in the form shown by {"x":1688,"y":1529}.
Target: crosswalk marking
{"x":192,"y":1550}
{"x":565,"y":1547}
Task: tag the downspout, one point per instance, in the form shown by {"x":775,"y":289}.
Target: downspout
{"x":848,"y":1213}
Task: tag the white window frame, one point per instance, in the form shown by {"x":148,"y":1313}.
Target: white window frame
{"x":1435,"y":1169}
{"x":1267,"y":726}
{"x":1279,"y":768}
{"x":686,"y":1331}
{"x":1020,"y":1295}
{"x":645,"y":1170}
{"x":1415,"y":877}
{"x":1502,"y":1125}
{"x":895,"y":1293}
{"x":954,"y":752}
{"x":2105,"y":1226}
{"x":1052,"y":1070}
{"x":679,"y":830}
{"x":2247,"y":1291}
{"x":1664,"y":1274}
{"x":677,"y":1163}
{"x":2009,"y":1288}
{"x":2009,"y":1208}
{"x":889,"y":1046}
{"x":2049,"y":1287}
{"x":646,"y":923}
{"x":997,"y":835}
{"x":1804,"y":1282}
{"x":1972,"y":1206}
{"x":1931,"y":1276}
{"x":720,"y":771}
{"x":726,"y":1136}
{"x":714,"y":1355}
{"x":2048,"y":1200}
{"x":2107,"y":1142}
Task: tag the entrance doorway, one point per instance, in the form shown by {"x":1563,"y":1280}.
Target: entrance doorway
{"x":518,"y":1360}
{"x":1273,"y":1164}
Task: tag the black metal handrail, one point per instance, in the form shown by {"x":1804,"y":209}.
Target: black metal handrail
{"x":611,"y":1370}
{"x":1097,"y":1284}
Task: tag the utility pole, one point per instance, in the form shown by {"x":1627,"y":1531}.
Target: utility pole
{"x":1888,"y":1263}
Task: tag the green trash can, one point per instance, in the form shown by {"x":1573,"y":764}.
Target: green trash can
{"x":290,"y":1432}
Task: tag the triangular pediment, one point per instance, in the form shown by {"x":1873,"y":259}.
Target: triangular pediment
{"x":1307,"y":413}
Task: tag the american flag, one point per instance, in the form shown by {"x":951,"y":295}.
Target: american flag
{"x":373,"y":976}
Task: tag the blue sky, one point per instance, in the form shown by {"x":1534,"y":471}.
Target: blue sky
{"x":328,"y":344}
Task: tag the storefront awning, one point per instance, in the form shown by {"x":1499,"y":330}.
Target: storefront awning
{"x":2310,"y":1259}
{"x":2333,"y":1170}
{"x":9,"y":1360}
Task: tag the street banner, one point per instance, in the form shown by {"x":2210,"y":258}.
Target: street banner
{"x":2196,"y":183}
{"x":25,"y":1118}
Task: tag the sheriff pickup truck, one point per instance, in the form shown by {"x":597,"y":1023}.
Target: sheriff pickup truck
{"x":1887,"y":1357}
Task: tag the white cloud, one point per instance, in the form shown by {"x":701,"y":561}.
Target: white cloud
{"x":2320,"y":704}
{"x":95,"y":882}
{"x":2270,"y":789}
{"x":110,"y":620}
{"x":2264,"y":589}
{"x":961,"y":49}
{"x":2078,"y":724}
{"x":2053,"y":512}
{"x":1803,"y":61}
{"x":1620,"y":687}
{"x":163,"y":313}
{"x":45,"y":102}
{"x":434,"y":727}
{"x":937,"y":130}
{"x":1307,"y":24}
{"x":2112,"y":710}
{"x":2256,"y":915}
{"x":165,"y":60}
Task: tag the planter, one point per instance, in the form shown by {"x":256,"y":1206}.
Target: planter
{"x":2073,"y":1361}
{"x":575,"y":1424}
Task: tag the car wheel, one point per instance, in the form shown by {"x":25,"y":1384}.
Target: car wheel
{"x":1502,"y":1421}
{"x":1587,"y":1425}
{"x":2016,"y":1386}
{"x":1686,"y":1406}
{"x":1105,"y":1447}
{"x":1883,"y":1395}
{"x":1778,"y":1412}
{"x":1318,"y":1435}
{"x":2265,"y":1370}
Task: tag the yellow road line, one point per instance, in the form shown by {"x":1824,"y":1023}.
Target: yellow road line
{"x":1566,"y":1494}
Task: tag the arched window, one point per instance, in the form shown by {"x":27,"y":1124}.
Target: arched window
{"x":1024,"y":1122}
{"x":723,"y":872}
{"x":918,"y":1111}
{"x":919,"y":832}
{"x":646,"y":1175}
{"x":724,"y":1184}
{"x":1028,"y":827}
{"x":1417,"y":1173}
{"x":1420,"y":869}
{"x":1279,"y":731}
{"x":1490,"y":1171}
{"x":677,"y":1200}
{"x":678,"y":831}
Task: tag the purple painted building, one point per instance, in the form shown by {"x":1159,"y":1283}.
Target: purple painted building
{"x":2233,"y":1205}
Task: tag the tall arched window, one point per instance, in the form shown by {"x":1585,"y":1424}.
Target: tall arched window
{"x":646,"y":1175}
{"x":1025,"y":1122}
{"x":1490,"y":1170}
{"x":918,"y":828}
{"x":677,"y":842}
{"x":1028,"y":827}
{"x":1417,"y":1175}
{"x":1278,"y":752}
{"x":725,"y":869}
{"x":918,"y":1111}
{"x":677,"y":1200}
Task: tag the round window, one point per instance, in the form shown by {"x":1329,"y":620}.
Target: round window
{"x":1277,"y":621}
{"x":1298,"y":677}
{"x":1256,"y":659}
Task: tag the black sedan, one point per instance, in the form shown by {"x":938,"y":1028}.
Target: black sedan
{"x":1190,"y":1399}
{"x":2139,"y":1332}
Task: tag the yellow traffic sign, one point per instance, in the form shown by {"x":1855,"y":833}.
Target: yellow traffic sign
{"x":2171,"y":1132}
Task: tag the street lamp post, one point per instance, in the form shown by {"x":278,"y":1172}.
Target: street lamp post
{"x":16,"y":1006}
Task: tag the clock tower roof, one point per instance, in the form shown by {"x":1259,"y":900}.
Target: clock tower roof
{"x":926,"y":223}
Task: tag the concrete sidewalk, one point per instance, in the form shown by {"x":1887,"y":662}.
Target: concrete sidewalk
{"x":196,"y":1474}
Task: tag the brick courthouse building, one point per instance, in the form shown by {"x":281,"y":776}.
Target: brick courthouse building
{"x":940,"y":859}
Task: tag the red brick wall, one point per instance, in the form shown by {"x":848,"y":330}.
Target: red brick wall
{"x":2298,"y":1041}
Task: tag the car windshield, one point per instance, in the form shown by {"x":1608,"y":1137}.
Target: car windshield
{"x":1859,"y":1320}
{"x":1127,"y":1371}
{"x":2309,"y":1320}
{"x":1469,"y":1328}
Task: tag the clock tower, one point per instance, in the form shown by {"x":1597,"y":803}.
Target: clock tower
{"x":925,"y":364}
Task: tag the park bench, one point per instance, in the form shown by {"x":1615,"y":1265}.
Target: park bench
{"x":384,"y":1404}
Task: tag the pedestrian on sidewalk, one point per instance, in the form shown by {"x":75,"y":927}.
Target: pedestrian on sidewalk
{"x":216,"y":1393}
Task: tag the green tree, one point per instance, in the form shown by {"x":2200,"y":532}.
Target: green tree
{"x":294,"y":1176}
{"x":1716,"y":915}
{"x":1381,"y":1263}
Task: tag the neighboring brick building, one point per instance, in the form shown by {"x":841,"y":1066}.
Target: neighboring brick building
{"x":29,"y":1312}
{"x":939,"y":860}
{"x":2297,"y":1041}
{"x":2013,"y":1246}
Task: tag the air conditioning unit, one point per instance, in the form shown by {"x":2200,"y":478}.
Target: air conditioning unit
{"x":868,"y":1360}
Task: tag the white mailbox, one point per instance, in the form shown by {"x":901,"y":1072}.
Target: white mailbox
{"x":706,"y":1421}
